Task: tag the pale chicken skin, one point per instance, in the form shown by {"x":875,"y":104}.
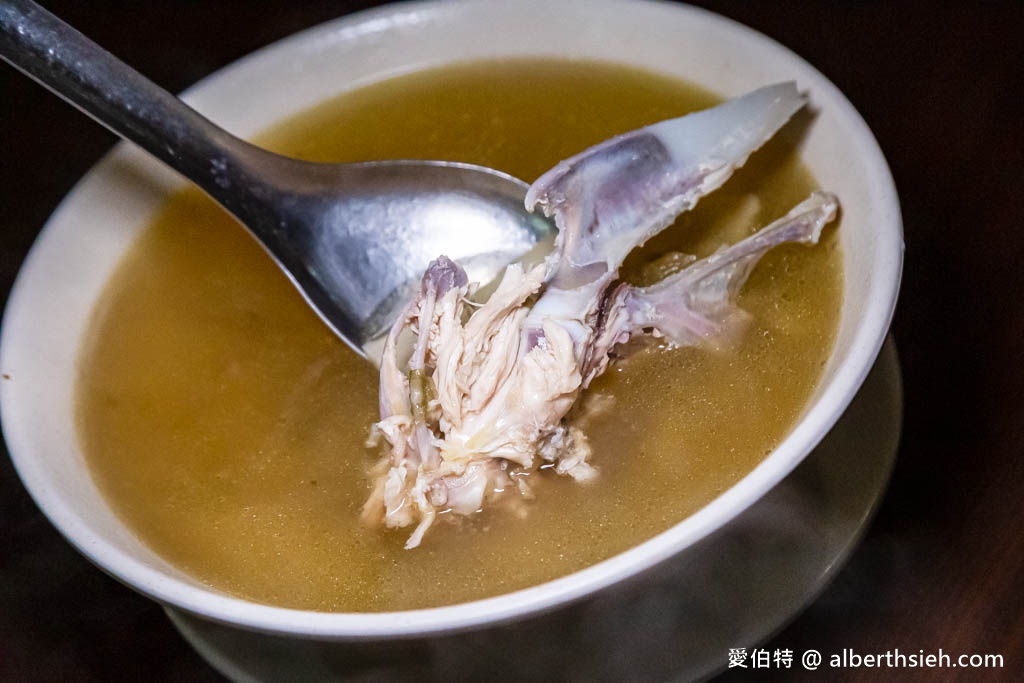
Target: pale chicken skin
{"x":474,"y":396}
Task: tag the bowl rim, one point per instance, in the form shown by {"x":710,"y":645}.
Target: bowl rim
{"x":210,"y":604}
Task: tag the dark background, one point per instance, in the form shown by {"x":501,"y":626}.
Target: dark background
{"x":942,"y":566}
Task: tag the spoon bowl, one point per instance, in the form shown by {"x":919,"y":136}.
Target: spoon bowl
{"x":356,"y":238}
{"x":353,"y":238}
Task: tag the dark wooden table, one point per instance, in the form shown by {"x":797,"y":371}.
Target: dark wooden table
{"x":942,"y":565}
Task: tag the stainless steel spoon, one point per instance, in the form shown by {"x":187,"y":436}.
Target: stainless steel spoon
{"x":354,"y":238}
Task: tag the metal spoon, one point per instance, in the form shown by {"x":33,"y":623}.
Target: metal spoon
{"x":354,"y":238}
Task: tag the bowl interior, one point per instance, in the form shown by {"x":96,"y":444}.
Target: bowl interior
{"x":50,"y":307}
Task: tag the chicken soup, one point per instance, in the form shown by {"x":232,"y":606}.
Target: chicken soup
{"x":227,"y":426}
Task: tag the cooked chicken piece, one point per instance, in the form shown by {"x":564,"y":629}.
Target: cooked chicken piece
{"x":474,"y":396}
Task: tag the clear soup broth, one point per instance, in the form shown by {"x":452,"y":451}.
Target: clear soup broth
{"x":226,"y":425}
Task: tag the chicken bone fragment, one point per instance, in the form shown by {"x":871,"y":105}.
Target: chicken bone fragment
{"x":481,"y":399}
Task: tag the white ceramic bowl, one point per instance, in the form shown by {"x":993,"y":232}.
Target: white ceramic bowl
{"x":50,"y":306}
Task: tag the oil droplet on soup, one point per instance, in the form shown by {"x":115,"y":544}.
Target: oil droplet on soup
{"x":226,"y":425}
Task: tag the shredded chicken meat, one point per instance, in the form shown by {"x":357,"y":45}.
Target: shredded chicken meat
{"x":474,"y":396}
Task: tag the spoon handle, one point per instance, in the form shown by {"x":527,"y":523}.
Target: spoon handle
{"x":80,"y":71}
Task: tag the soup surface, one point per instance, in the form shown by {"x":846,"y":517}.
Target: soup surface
{"x":226,"y":424}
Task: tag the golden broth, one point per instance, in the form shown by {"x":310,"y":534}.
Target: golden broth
{"x":226,"y":425}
